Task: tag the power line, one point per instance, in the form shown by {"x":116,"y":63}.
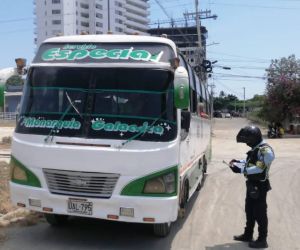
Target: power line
{"x":241,"y":76}
{"x":229,"y":89}
{"x":16,"y":20}
{"x":256,"y":6}
{"x":238,"y":56}
{"x":240,"y":67}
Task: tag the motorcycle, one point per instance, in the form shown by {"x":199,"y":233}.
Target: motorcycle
{"x":275,"y":133}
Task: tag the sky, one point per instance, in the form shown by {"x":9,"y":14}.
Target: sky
{"x":246,"y":36}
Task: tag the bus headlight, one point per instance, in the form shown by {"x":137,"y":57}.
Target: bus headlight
{"x":155,"y":186}
{"x":164,"y":184}
{"x":161,"y":184}
{"x":21,"y":175}
{"x":18,"y":174}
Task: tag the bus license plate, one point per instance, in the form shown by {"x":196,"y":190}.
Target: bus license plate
{"x":82,"y":207}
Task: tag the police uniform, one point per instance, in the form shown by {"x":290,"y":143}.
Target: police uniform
{"x":256,"y":170}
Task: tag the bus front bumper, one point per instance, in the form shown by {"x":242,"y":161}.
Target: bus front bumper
{"x":134,"y":209}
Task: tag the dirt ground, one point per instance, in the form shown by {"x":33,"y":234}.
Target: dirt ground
{"x":5,"y":134}
{"x":5,"y":205}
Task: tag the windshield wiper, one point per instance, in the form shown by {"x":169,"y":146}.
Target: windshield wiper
{"x":71,"y":105}
{"x":141,"y":133}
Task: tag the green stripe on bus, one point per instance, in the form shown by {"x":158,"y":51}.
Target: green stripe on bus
{"x":103,"y":90}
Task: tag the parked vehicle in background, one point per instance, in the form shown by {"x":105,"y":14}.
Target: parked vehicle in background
{"x":227,"y":115}
{"x":218,"y":114}
{"x":235,"y":114}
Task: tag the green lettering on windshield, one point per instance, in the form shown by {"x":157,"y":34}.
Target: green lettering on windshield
{"x":98,"y":125}
{"x":32,"y":122}
{"x":72,"y":53}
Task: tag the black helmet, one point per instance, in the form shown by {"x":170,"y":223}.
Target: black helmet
{"x":251,"y":135}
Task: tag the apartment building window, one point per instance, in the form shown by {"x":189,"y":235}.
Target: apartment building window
{"x":118,"y":4}
{"x":86,"y":15}
{"x":120,"y":13}
{"x":119,"y":29}
{"x":85,"y":24}
{"x":56,"y":12}
{"x":119,"y":21}
{"x":98,"y":6}
{"x":55,"y":1}
{"x":99,"y":32}
{"x":99,"y":15}
{"x":99,"y":24}
{"x":56,"y":22}
{"x":84,"y":6}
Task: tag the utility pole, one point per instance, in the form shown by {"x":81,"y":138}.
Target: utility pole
{"x":212,"y":86}
{"x":244,"y":102}
{"x":198,"y":25}
{"x":108,"y":17}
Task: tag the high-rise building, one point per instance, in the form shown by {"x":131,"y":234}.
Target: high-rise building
{"x":70,"y":17}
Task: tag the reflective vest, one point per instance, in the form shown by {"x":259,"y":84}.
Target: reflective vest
{"x":252,"y":159}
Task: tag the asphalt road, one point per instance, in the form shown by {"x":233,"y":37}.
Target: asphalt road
{"x":214,"y":215}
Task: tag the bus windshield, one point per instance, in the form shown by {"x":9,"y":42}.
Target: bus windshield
{"x":108,"y":103}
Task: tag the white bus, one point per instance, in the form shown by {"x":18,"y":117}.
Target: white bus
{"x":110,"y":127}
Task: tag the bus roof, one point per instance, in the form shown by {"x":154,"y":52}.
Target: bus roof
{"x":111,"y":39}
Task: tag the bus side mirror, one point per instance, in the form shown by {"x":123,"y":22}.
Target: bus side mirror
{"x":181,"y":88}
{"x":185,"y":120}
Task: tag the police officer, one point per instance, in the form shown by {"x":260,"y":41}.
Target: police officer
{"x":255,"y":169}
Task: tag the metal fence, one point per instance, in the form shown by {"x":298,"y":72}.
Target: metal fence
{"x":8,"y":116}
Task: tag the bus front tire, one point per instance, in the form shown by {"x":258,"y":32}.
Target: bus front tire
{"x":56,"y":219}
{"x":162,"y":229}
{"x":204,"y":164}
{"x":202,"y":174}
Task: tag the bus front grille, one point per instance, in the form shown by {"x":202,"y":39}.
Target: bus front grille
{"x":81,"y":184}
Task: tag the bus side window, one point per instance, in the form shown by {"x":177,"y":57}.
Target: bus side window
{"x":203,"y":98}
{"x":183,"y":63}
{"x":193,"y":93}
{"x":199,"y":99}
{"x":208,"y":102}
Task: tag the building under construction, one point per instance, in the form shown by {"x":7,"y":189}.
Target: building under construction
{"x":186,"y":39}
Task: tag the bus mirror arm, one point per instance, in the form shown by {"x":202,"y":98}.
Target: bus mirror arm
{"x":185,"y":120}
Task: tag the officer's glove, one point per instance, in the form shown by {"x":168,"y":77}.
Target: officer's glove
{"x":235,"y":169}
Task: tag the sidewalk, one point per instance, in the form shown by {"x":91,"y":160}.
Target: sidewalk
{"x":291,"y":136}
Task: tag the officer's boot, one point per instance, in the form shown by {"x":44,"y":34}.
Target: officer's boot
{"x":243,"y":237}
{"x":247,"y":236}
{"x":259,"y":243}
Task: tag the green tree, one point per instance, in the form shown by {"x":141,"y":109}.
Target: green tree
{"x":283,"y":89}
{"x":225,"y":101}
{"x":14,"y":80}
